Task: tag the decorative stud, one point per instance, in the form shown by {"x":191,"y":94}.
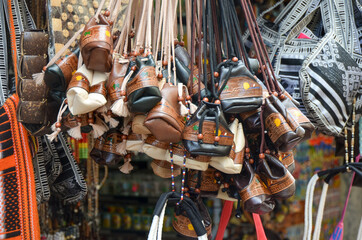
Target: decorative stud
{"x":200,"y":136}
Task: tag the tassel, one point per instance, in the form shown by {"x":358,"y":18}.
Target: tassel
{"x":120,"y":108}
{"x":98,"y":130}
{"x":113,"y":123}
{"x":121,"y":148}
{"x":39,"y":78}
{"x":76,"y":132}
{"x":56,"y":126}
{"x":126,"y":129}
{"x":127,"y":167}
{"x":53,"y":136}
{"x":183,"y":109}
{"x":193,"y":107}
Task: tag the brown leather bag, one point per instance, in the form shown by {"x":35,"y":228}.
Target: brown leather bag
{"x":202,"y":182}
{"x":96,"y":45}
{"x":115,"y":80}
{"x":181,"y":223}
{"x":283,"y":130}
{"x":276,"y":177}
{"x":299,"y":117}
{"x":165,"y":121}
{"x":255,"y":195}
{"x":163,"y":169}
{"x":105,"y":148}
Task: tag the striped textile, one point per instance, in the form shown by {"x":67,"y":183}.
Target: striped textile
{"x":18,"y":206}
{"x":330,"y":79}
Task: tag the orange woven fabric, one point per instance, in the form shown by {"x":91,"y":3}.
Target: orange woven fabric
{"x":18,"y":208}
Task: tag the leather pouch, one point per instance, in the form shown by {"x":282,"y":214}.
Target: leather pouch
{"x":165,"y":121}
{"x":202,"y":182}
{"x":34,"y":42}
{"x":207,"y":132}
{"x":182,"y":223}
{"x":239,"y":90}
{"x":142,"y":89}
{"x":251,"y":121}
{"x":285,"y":134}
{"x":138,"y":125}
{"x":96,"y":45}
{"x":115,"y":80}
{"x":255,"y":196}
{"x":156,"y":149}
{"x":233,"y":163}
{"x":183,"y":73}
{"x":58,"y":75}
{"x":287,"y":159}
{"x":196,"y":162}
{"x":163,"y":169}
{"x":105,"y":148}
{"x":299,"y":117}
{"x":277,"y":178}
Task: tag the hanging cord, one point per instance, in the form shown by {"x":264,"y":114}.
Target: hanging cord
{"x":181,"y":24}
{"x":172,"y":169}
{"x":212,"y":57}
{"x":230,"y":64}
{"x":204,"y":45}
{"x":243,"y":51}
{"x":226,"y":30}
{"x":259,"y":55}
{"x":39,"y":77}
{"x":200,"y":18}
{"x":262,"y":144}
{"x":215,"y":24}
{"x":183,"y":178}
{"x":193,"y":32}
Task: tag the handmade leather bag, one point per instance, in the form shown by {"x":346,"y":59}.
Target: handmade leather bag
{"x":207,"y":132}
{"x":96,"y":45}
{"x":287,"y":159}
{"x":232,"y":163}
{"x":58,"y":75}
{"x":285,"y":134}
{"x":255,"y":196}
{"x":299,"y":117}
{"x":142,"y":89}
{"x":239,"y":91}
{"x":181,"y":222}
{"x":202,"y":182}
{"x":134,"y":142}
{"x":276,"y":177}
{"x":138,"y":125}
{"x":115,"y":80}
{"x":165,"y":121}
{"x":187,"y":206}
{"x":156,"y":149}
{"x":180,"y":155}
{"x":163,"y":169}
{"x":105,"y":151}
{"x":86,"y":91}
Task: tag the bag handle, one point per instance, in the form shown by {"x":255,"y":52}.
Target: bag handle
{"x":187,"y":205}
